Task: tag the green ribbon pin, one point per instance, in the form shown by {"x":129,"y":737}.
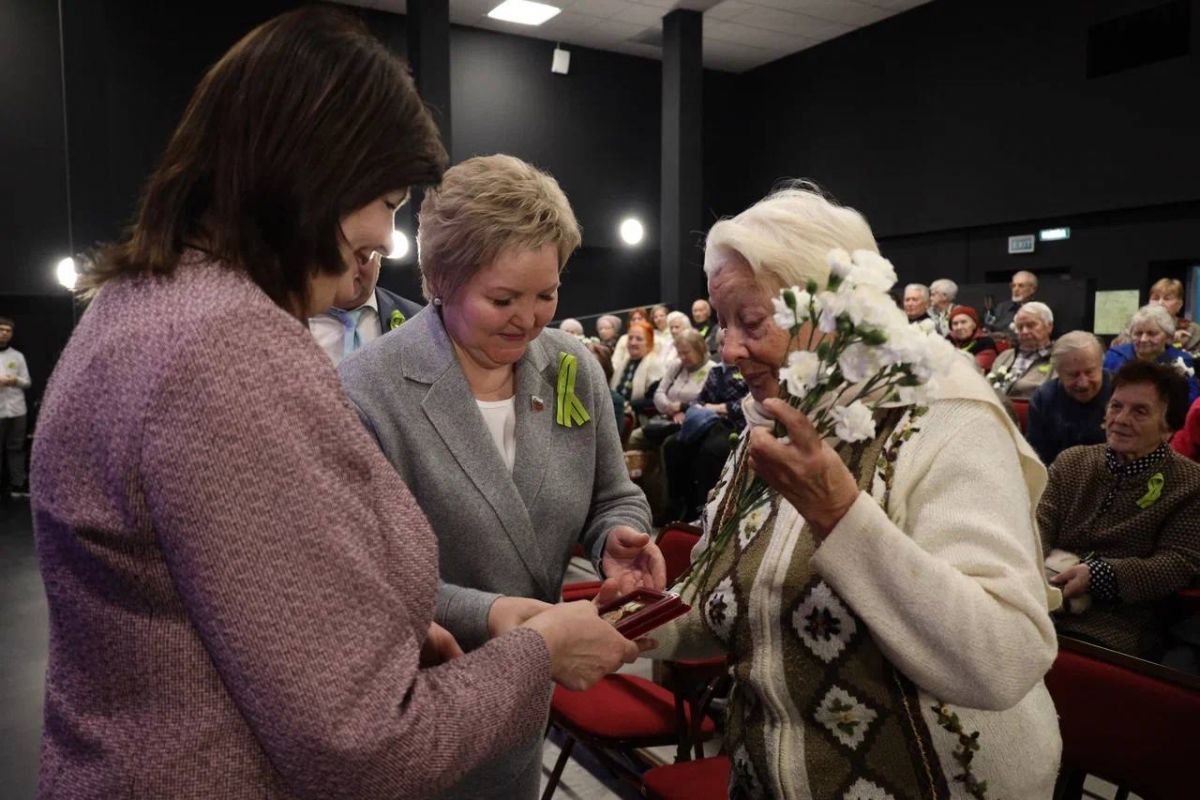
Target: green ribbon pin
{"x":569,"y":408}
{"x":1153,"y":491}
{"x":396,"y":320}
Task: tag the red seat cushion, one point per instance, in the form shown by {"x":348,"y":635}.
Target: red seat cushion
{"x":676,"y":545}
{"x":689,"y":780}
{"x":1021,"y":407}
{"x":621,"y":707}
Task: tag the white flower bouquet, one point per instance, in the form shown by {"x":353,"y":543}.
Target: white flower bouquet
{"x":859,"y":354}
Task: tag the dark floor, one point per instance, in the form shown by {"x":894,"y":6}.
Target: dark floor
{"x":22,"y":651}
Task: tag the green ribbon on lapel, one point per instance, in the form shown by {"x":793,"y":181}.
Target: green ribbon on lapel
{"x":396,"y":320}
{"x":569,"y":408}
{"x":1154,"y":489}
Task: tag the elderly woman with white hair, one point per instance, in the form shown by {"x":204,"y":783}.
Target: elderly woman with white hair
{"x":667,"y":345}
{"x":1149,"y":335}
{"x":608,"y":329}
{"x":1018,"y":372}
{"x":883,"y":610}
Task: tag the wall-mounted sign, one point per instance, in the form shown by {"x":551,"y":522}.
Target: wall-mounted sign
{"x":1113,"y":310}
{"x":1054,"y":234}
{"x":1021,"y":244}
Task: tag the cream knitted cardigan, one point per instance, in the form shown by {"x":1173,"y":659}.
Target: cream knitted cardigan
{"x":949,"y":583}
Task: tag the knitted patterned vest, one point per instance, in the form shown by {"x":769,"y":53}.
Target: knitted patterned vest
{"x":827,"y":715}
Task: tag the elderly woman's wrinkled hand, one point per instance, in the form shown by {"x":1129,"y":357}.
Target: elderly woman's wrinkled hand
{"x":1074,"y":581}
{"x":804,"y":469}
{"x":634,"y":559}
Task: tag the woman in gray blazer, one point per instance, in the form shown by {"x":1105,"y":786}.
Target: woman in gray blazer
{"x":502,"y":428}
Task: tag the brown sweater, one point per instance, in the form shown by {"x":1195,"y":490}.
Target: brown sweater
{"x":1153,"y":551}
{"x":239,"y":583}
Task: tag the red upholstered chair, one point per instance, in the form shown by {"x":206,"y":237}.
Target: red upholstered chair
{"x":1131,"y":722}
{"x":615,"y":717}
{"x":580,"y":590}
{"x":624,"y":712}
{"x":1022,"y":409}
{"x":703,"y":779}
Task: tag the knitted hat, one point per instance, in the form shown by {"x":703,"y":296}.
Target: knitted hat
{"x":970,"y":312}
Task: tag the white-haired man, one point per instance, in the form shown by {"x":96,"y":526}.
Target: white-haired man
{"x":942,"y":293}
{"x":1069,"y":410}
{"x":1001,"y":318}
{"x":916,"y":302}
{"x":1018,"y":372}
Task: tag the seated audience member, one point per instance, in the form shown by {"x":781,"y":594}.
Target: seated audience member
{"x":608,"y":327}
{"x":637,"y":370}
{"x":1001,"y":318}
{"x":916,"y":302}
{"x":668,"y":350}
{"x":636,"y":315}
{"x":683,"y":380}
{"x":1127,"y":510}
{"x":572,"y":326}
{"x":941,"y":300}
{"x":966,"y":335}
{"x":1168,"y":293}
{"x":1018,"y":372}
{"x":1187,"y":441}
{"x":658,"y":318}
{"x":604,"y":356}
{"x":1069,"y":410}
{"x":1150,"y":331}
{"x":694,"y":456}
{"x":362,"y":311}
{"x":702,"y":321}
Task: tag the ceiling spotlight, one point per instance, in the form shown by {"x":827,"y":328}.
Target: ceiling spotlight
{"x":66,"y":273}
{"x":523,"y":12}
{"x":632,"y":231}
{"x":399,"y":245}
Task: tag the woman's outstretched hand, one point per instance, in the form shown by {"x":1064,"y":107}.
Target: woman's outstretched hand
{"x":583,"y":647}
{"x":631,"y":557}
{"x":804,"y":469}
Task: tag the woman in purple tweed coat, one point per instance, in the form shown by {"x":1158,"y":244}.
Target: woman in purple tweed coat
{"x":240,"y":586}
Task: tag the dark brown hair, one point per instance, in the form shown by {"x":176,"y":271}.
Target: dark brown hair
{"x":8,"y":322}
{"x":303,"y":121}
{"x":603,"y":354}
{"x":1169,"y":383}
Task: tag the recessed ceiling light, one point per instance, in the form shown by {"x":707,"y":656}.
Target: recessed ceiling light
{"x":524,"y":12}
{"x":66,"y":272}
{"x":399,"y":245}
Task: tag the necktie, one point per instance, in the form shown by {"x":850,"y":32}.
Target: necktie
{"x":351,"y":340}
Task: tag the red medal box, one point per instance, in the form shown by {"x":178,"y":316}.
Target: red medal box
{"x":640,"y":612}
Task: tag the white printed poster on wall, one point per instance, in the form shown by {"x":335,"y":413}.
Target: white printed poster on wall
{"x":1113,"y":310}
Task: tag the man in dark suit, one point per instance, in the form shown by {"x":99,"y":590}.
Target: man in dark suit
{"x":362,"y":312}
{"x":1001,"y":318}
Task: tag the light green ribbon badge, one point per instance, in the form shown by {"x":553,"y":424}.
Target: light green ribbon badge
{"x":1153,"y":491}
{"x":569,"y":410}
{"x":396,"y":320}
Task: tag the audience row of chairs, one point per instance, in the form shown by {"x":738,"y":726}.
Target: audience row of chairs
{"x":1123,"y":720}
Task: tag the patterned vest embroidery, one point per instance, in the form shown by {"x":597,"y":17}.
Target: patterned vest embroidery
{"x":864,"y":737}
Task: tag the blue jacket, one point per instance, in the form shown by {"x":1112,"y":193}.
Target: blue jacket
{"x":1116,"y":356}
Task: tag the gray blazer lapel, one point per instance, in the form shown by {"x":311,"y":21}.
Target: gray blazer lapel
{"x":450,"y":408}
{"x":535,"y":428}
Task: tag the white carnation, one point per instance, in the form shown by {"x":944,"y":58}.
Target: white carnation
{"x":1182,"y":366}
{"x":872,"y":269}
{"x":839,"y":262}
{"x":785,"y":318}
{"x":859,"y":362}
{"x":853,"y":423}
{"x":804,"y":371}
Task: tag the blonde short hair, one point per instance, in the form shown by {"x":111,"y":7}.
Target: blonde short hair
{"x":692,"y":340}
{"x":786,"y":236}
{"x":483,"y":207}
{"x":1168,"y":286}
